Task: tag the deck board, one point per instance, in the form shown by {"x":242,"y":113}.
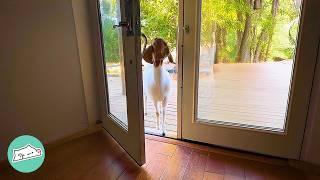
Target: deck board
{"x":254,"y":94}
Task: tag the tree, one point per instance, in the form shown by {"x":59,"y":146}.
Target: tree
{"x":267,"y":28}
{"x":220,"y":25}
{"x":160,"y":22}
{"x":244,"y":49}
{"x":274,"y":11}
{"x":109,"y":14}
{"x":239,"y":30}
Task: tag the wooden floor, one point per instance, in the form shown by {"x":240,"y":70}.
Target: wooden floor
{"x":245,"y":94}
{"x":98,"y":156}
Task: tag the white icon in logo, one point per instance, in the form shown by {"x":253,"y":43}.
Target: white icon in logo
{"x":25,"y":153}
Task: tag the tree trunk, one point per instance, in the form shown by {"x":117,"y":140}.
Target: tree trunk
{"x":259,"y":45}
{"x":264,"y":58}
{"x":244,"y":46}
{"x":266,"y":35}
{"x":244,"y":49}
{"x":239,"y":32}
{"x":275,"y":8}
{"x":213,"y":35}
{"x":223,"y":44}
{"x":213,"y":43}
{"x":253,"y":40}
{"x":218,"y":44}
{"x":274,"y":12}
{"x":221,"y":41}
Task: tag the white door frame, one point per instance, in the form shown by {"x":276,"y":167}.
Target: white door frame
{"x":180,"y":67}
{"x":286,"y":144}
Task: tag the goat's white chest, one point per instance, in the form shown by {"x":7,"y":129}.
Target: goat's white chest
{"x":156,"y":82}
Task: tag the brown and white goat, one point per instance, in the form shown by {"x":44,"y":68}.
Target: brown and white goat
{"x":156,"y":80}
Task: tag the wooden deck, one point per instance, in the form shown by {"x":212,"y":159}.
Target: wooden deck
{"x":251,"y":94}
{"x":118,"y":100}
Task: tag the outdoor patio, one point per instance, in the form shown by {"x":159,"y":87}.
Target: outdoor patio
{"x":252,"y":94}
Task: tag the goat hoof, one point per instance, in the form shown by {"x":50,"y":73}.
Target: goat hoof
{"x":163,"y":134}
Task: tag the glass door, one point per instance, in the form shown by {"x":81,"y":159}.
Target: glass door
{"x":248,"y":67}
{"x":120,"y":69}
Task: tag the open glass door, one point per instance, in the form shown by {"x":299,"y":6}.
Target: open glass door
{"x":121,"y":83}
{"x":248,"y":67}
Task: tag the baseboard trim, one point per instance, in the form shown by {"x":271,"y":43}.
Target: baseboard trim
{"x":4,"y":164}
{"x":85,"y":132}
{"x":305,"y":166}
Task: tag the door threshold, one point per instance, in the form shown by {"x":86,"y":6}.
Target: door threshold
{"x":220,"y":150}
{"x":158,"y":135}
{"x":155,"y":132}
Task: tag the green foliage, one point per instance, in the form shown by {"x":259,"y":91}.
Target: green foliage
{"x":108,"y":9}
{"x":231,"y":15}
{"x":225,"y":14}
{"x":282,"y":46}
{"x":111,"y":42}
{"x":159,"y":18}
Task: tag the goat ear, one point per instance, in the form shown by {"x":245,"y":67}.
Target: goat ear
{"x":147,"y":54}
{"x":171,"y":59}
{"x":168,"y":54}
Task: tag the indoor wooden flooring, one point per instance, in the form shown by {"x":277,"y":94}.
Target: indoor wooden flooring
{"x":98,"y":156}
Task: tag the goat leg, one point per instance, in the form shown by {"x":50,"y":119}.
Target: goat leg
{"x":164,"y":108}
{"x":157,"y":113}
{"x":145,"y":104}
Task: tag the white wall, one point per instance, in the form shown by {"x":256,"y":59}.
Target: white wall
{"x":41,"y":87}
{"x":311,"y":144}
{"x":84,"y":14}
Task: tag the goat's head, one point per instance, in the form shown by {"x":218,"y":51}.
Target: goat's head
{"x":157,"y":52}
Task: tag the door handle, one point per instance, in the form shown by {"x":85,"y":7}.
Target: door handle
{"x":122,"y":24}
{"x":126,"y":25}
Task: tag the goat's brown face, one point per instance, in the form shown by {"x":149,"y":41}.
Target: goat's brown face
{"x":157,"y":52}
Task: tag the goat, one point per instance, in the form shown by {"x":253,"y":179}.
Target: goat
{"x":156,"y":80}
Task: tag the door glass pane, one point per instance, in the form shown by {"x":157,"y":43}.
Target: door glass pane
{"x":114,"y":60}
{"x":247,"y":50}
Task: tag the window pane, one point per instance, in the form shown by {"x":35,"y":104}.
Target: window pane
{"x":113,"y":59}
{"x":246,"y":58}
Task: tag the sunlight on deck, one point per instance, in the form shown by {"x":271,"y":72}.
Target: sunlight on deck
{"x":247,"y":94}
{"x":253,"y":94}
